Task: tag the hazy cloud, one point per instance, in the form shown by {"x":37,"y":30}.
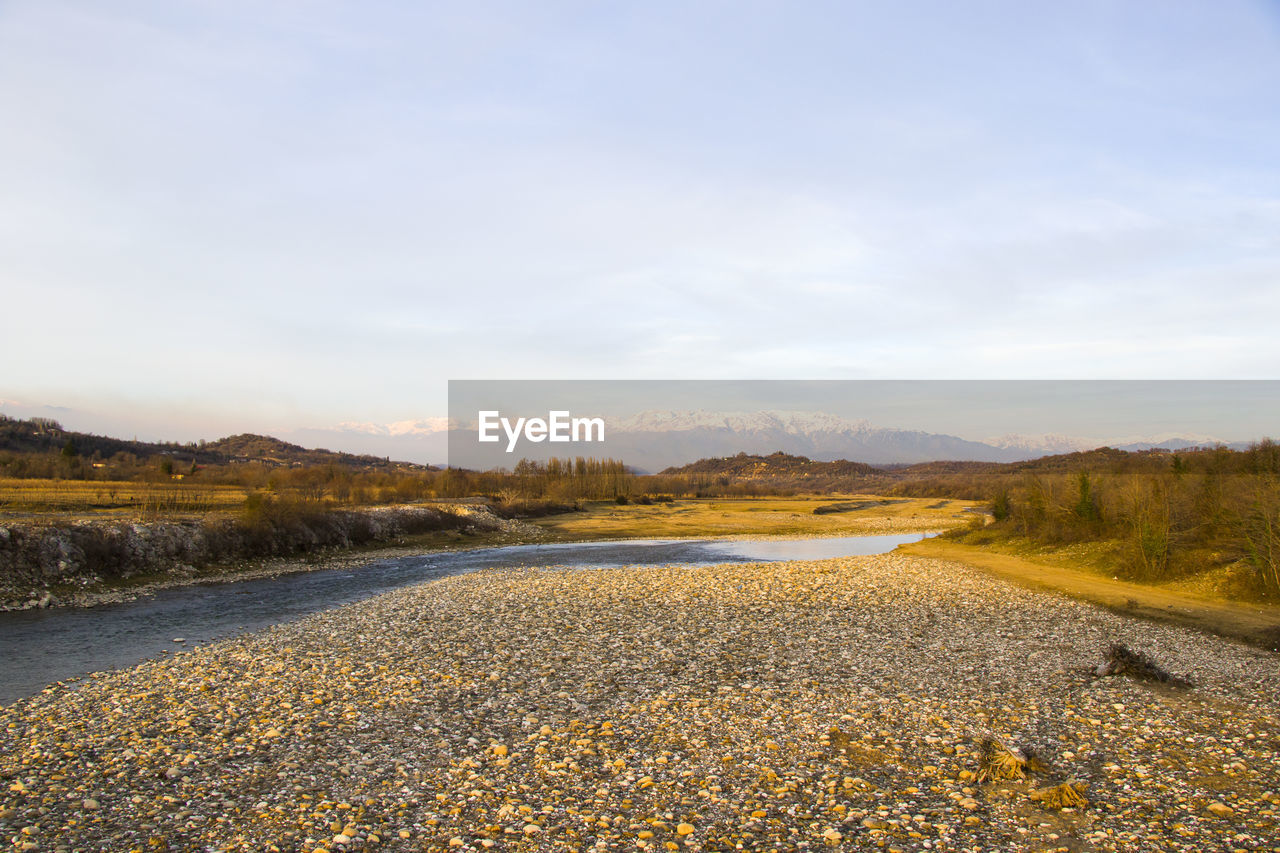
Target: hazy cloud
{"x":315,"y":213}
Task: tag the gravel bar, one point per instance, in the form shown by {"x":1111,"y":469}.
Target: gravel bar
{"x":836,"y":704}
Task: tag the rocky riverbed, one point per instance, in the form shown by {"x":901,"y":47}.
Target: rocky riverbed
{"x":838,"y":704}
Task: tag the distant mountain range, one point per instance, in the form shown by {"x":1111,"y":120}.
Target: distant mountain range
{"x":422,"y":441}
{"x":1045,"y":445}
{"x":659,"y":439}
{"x":654,"y":440}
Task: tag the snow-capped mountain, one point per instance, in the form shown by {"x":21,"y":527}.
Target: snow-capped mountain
{"x":654,"y":440}
{"x":1171,"y":441}
{"x":1042,"y":445}
{"x":657,"y":439}
{"x":424,"y":426}
{"x":795,"y":423}
{"x":424,"y":441}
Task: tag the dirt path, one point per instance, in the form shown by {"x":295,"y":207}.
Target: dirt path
{"x":1254,"y":623}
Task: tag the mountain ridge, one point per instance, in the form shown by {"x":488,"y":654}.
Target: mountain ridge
{"x":43,"y":435}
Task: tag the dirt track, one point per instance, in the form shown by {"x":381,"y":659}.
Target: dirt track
{"x":1254,"y":623}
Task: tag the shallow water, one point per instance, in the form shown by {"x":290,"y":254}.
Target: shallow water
{"x":39,"y":647}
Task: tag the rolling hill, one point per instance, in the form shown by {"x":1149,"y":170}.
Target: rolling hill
{"x":41,"y":435}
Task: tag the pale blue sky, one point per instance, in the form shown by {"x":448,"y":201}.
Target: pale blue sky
{"x":220,"y":216}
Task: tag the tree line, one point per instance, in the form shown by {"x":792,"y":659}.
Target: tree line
{"x":1167,"y":515}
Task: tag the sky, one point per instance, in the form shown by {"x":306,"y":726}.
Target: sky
{"x":219,"y":217}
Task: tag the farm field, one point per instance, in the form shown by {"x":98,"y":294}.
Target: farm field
{"x":64,"y":500}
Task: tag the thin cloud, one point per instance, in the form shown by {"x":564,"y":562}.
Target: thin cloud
{"x":245,"y":207}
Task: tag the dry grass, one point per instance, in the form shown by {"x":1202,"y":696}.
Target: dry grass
{"x":999,"y":762}
{"x":69,"y":498}
{"x":754,"y":517}
{"x":1067,"y":795}
{"x":1255,"y":623}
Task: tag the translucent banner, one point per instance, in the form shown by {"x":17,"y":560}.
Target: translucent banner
{"x":654,"y":424}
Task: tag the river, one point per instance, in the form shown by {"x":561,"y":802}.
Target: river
{"x":40,"y":647}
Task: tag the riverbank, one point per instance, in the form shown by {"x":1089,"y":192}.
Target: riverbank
{"x":102,"y":562}
{"x":831,"y":704}
{"x":1258,"y":624}
{"x":91,"y":563}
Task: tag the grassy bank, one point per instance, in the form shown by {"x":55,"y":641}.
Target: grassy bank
{"x":1081,"y":573}
{"x":826,"y":515}
{"x":1153,"y":517}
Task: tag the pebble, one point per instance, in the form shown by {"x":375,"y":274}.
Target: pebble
{"x":830,"y":704}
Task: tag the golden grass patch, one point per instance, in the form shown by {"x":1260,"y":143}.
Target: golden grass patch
{"x":91,"y":496}
{"x":729,"y":517}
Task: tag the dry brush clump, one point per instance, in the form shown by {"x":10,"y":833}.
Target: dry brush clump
{"x":1121,"y":660}
{"x":1069,"y":794}
{"x":999,"y":762}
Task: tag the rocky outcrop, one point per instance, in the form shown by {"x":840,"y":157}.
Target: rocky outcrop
{"x":39,"y":562}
